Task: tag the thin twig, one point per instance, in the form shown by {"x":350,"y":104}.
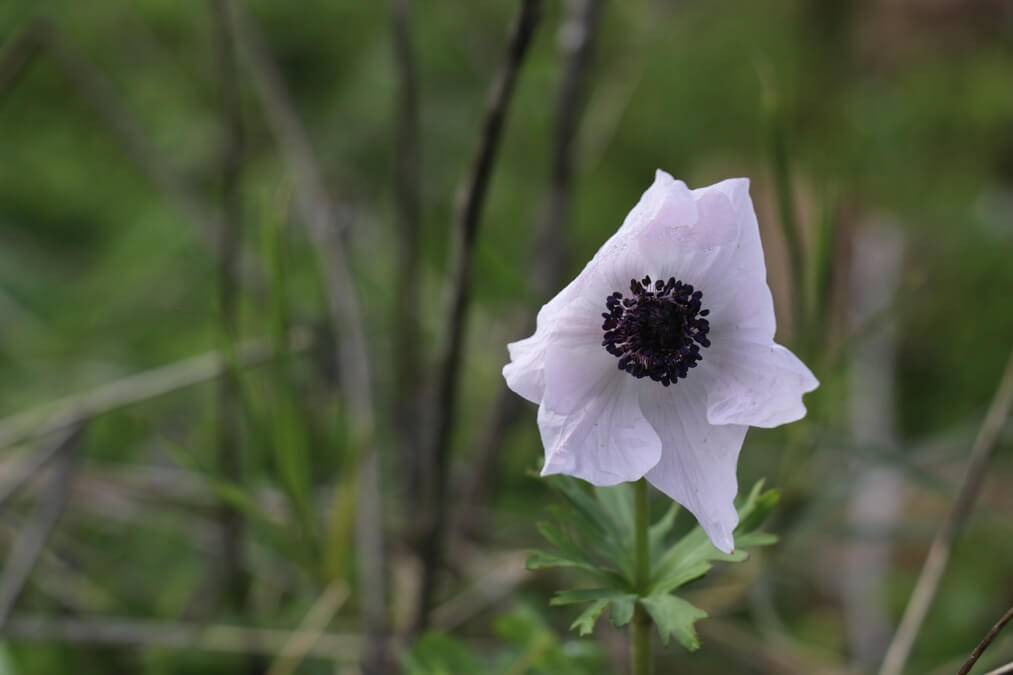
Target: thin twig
{"x":310,"y":630}
{"x":352,"y":354}
{"x":67,"y":412}
{"x":939,"y":552}
{"x":317,"y":209}
{"x":499,"y":578}
{"x":1002,"y":670}
{"x":576,"y":40}
{"x":133,"y":631}
{"x":992,"y":634}
{"x":61,"y":582}
{"x":32,"y":540}
{"x":236,"y":580}
{"x":407,"y":356}
{"x":471,"y":199}
{"x":25,"y":470}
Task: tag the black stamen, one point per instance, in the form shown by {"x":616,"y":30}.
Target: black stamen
{"x":657,"y":332}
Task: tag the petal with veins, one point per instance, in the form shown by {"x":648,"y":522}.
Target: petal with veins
{"x":607,"y":441}
{"x":525,"y":373}
{"x":755,"y":384}
{"x":698,"y":459}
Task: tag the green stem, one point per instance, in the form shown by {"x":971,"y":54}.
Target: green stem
{"x":640,"y":627}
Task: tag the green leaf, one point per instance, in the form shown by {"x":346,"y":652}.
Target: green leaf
{"x":617,"y":501}
{"x":541,"y":559}
{"x":585,"y":622}
{"x":594,"y":532}
{"x":622,"y":610}
{"x":756,"y":540}
{"x":570,"y":547}
{"x":659,"y":530}
{"x":694,"y":555}
{"x":675,"y":617}
{"x":553,"y":534}
{"x":600,"y":598}
{"x":592,"y":517}
{"x":684,"y":563}
{"x":756,"y":508}
{"x":580,"y":595}
{"x":599,"y":526}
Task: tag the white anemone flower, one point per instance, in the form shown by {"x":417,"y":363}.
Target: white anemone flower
{"x":660,"y":355}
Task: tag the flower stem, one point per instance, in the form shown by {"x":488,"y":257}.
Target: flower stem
{"x":640,"y":627}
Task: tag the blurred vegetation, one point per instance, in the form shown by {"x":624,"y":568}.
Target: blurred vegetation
{"x":887,"y":113}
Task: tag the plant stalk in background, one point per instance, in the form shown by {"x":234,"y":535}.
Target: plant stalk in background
{"x":550,"y":262}
{"x":229,"y":245}
{"x":939,"y":552}
{"x":469,"y":211}
{"x":407,"y":354}
{"x":324,"y":225}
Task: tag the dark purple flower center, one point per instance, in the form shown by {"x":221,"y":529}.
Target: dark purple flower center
{"x":657,"y":331}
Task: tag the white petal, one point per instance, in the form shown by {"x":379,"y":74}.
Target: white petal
{"x":621,"y":259}
{"x":735,"y":288}
{"x":755,"y":384}
{"x":607,"y":441}
{"x":525,"y":373}
{"x":575,"y":360}
{"x":573,"y":371}
{"x":742,"y":312}
{"x":698,"y":460}
{"x":690,"y":249}
{"x":578,"y":307}
{"x":667,"y":200}
{"x":720,"y":254}
{"x":736,"y":192}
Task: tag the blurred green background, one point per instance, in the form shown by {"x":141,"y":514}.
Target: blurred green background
{"x":884,"y":125}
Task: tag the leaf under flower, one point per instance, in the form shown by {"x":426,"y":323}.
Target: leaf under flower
{"x":694,"y":555}
{"x":675,"y":617}
{"x":594,"y":534}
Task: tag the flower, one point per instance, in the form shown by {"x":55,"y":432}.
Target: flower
{"x":660,"y":355}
